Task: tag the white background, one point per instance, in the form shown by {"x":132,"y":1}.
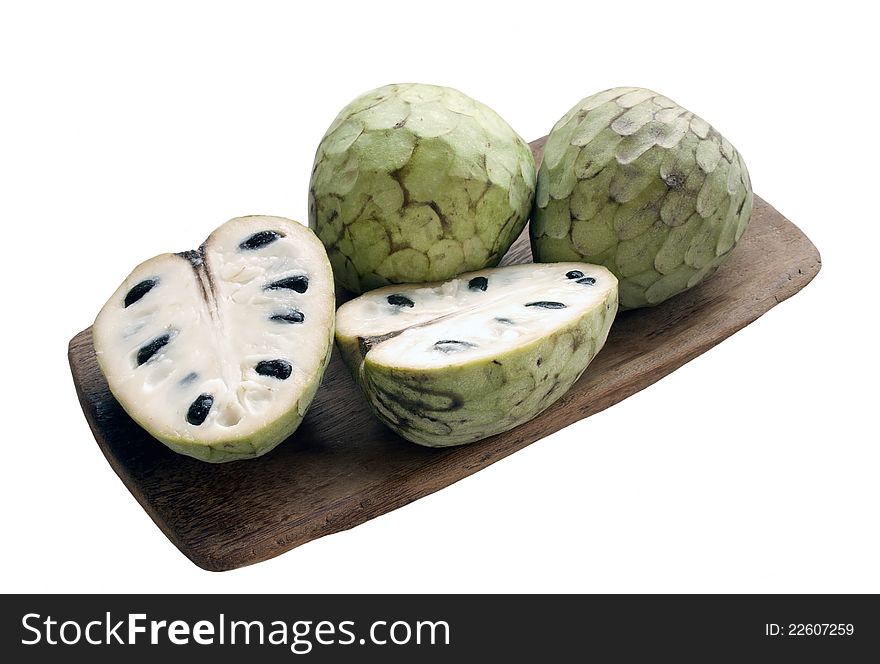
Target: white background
{"x":130,"y":129}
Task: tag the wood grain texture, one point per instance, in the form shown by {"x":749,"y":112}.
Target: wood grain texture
{"x":342,"y":467}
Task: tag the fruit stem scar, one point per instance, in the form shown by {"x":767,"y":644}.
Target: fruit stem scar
{"x":366,"y":344}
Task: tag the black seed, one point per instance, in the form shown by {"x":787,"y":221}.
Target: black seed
{"x":546,"y":305}
{"x":478,"y":283}
{"x":279,"y":369}
{"x":147,"y":351}
{"x":452,"y":345}
{"x":574,"y":274}
{"x":138,"y":291}
{"x":199,"y":409}
{"x":291,"y":316}
{"x":260,"y":240}
{"x":504,"y":321}
{"x":589,"y":281}
{"x":400,"y":301}
{"x":299,"y":283}
{"x":190,"y":377}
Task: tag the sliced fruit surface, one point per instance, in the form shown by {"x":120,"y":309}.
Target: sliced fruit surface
{"x":218,"y":351}
{"x":450,"y":363}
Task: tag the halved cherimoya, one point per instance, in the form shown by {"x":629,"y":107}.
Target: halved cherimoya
{"x":218,"y":352}
{"x":450,"y":363}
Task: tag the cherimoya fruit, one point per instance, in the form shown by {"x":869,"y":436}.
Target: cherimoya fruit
{"x":415,"y":183}
{"x":452,"y":362}
{"x":217,"y":352}
{"x":635,"y":182}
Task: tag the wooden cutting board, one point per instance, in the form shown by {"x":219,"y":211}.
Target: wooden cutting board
{"x":342,"y":467}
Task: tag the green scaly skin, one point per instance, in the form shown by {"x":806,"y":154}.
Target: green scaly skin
{"x":416,"y":183}
{"x":462,"y":404}
{"x":634,"y":182}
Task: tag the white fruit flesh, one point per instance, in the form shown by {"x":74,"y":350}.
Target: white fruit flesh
{"x":257,"y":349}
{"x":518,"y":306}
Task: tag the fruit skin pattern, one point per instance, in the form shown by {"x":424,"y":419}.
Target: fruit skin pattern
{"x":416,"y":183}
{"x":632,"y":181}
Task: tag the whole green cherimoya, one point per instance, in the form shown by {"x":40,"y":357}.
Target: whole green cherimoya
{"x":415,"y":183}
{"x":453,"y":362}
{"x":635,"y":182}
{"x":218,"y":352}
